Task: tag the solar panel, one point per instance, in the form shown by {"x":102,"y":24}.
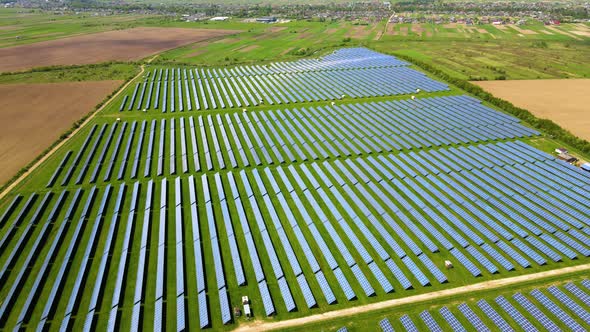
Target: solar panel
{"x":422,"y":279}
{"x":556,"y":310}
{"x":286,"y":294}
{"x":430,"y":322}
{"x":203,"y":311}
{"x":433,"y":268}
{"x":307,"y":294}
{"x":482,"y":259}
{"x":385,"y":325}
{"x":224,"y":306}
{"x":360,"y":276}
{"x":266,"y":298}
{"x":387,"y":287}
{"x":348,"y":292}
{"x":570,"y":304}
{"x":408,"y":324}
{"x":535,"y":312}
{"x":451,"y":320}
{"x":466,"y":262}
{"x":515,"y":314}
{"x":579,"y":293}
{"x":494,"y":316}
{"x":472,"y":317}
{"x":325,"y":287}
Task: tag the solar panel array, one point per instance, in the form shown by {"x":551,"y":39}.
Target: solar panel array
{"x":304,"y":209}
{"x":232,"y":141}
{"x":502,"y":314}
{"x":348,"y":72}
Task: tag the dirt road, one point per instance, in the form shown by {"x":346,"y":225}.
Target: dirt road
{"x":268,"y":326}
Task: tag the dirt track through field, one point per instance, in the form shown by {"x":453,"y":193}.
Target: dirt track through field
{"x":121,"y":45}
{"x":565,"y":101}
{"x":34,"y":115}
{"x":351,"y":312}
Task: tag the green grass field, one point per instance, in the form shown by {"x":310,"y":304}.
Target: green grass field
{"x":24,"y":26}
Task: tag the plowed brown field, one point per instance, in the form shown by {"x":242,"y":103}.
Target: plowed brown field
{"x":563,"y":101}
{"x":123,"y":45}
{"x":32,"y":116}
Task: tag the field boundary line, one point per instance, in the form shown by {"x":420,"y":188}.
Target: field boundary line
{"x":348,"y":312}
{"x":67,"y":139}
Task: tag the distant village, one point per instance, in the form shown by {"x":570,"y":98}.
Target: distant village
{"x":433,"y":11}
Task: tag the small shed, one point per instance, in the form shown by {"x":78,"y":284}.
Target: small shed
{"x":246,"y":303}
{"x":448,"y":264}
{"x":561,"y":150}
{"x":585,"y":167}
{"x":567,"y":157}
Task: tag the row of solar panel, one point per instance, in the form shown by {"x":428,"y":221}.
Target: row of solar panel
{"x":213,"y":93}
{"x":316,"y":185}
{"x":298,"y":138}
{"x":562,"y":308}
{"x":341,"y":59}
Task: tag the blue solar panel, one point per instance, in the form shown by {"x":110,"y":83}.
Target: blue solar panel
{"x":452,"y":320}
{"x":556,"y":311}
{"x":498,"y":257}
{"x":515,"y":314}
{"x":286,"y":294}
{"x":433,"y":268}
{"x":482,"y":259}
{"x":269,"y":308}
{"x":408,"y":324}
{"x":387,"y":287}
{"x":564,"y":299}
{"x":535,"y":312}
{"x":307,"y":294}
{"x":430,"y":322}
{"x":579,"y":293}
{"x":348,"y":292}
{"x":224,"y":306}
{"x":422,"y":279}
{"x":203,"y":311}
{"x":385,"y":325}
{"x":474,"y":270}
{"x":472,"y":317}
{"x":494,"y":316}
{"x":325,"y":287}
{"x":528,"y":251}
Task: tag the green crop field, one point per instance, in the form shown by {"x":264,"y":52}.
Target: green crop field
{"x":467,"y":52}
{"x":272,"y":168}
{"x":24,"y":26}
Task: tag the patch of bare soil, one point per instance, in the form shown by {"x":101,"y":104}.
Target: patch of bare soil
{"x":130,"y":44}
{"x":564,"y":101}
{"x":34,"y":115}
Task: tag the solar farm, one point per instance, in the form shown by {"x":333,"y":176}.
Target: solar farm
{"x":551,"y":308}
{"x":308,"y":186}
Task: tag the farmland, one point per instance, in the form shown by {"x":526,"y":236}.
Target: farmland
{"x":307,"y":193}
{"x":45,"y":109}
{"x":563,"y":101}
{"x":26,"y":26}
{"x":484,"y":53}
{"x":124,"y":45}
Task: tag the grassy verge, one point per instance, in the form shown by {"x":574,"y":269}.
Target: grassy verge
{"x":58,"y":74}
